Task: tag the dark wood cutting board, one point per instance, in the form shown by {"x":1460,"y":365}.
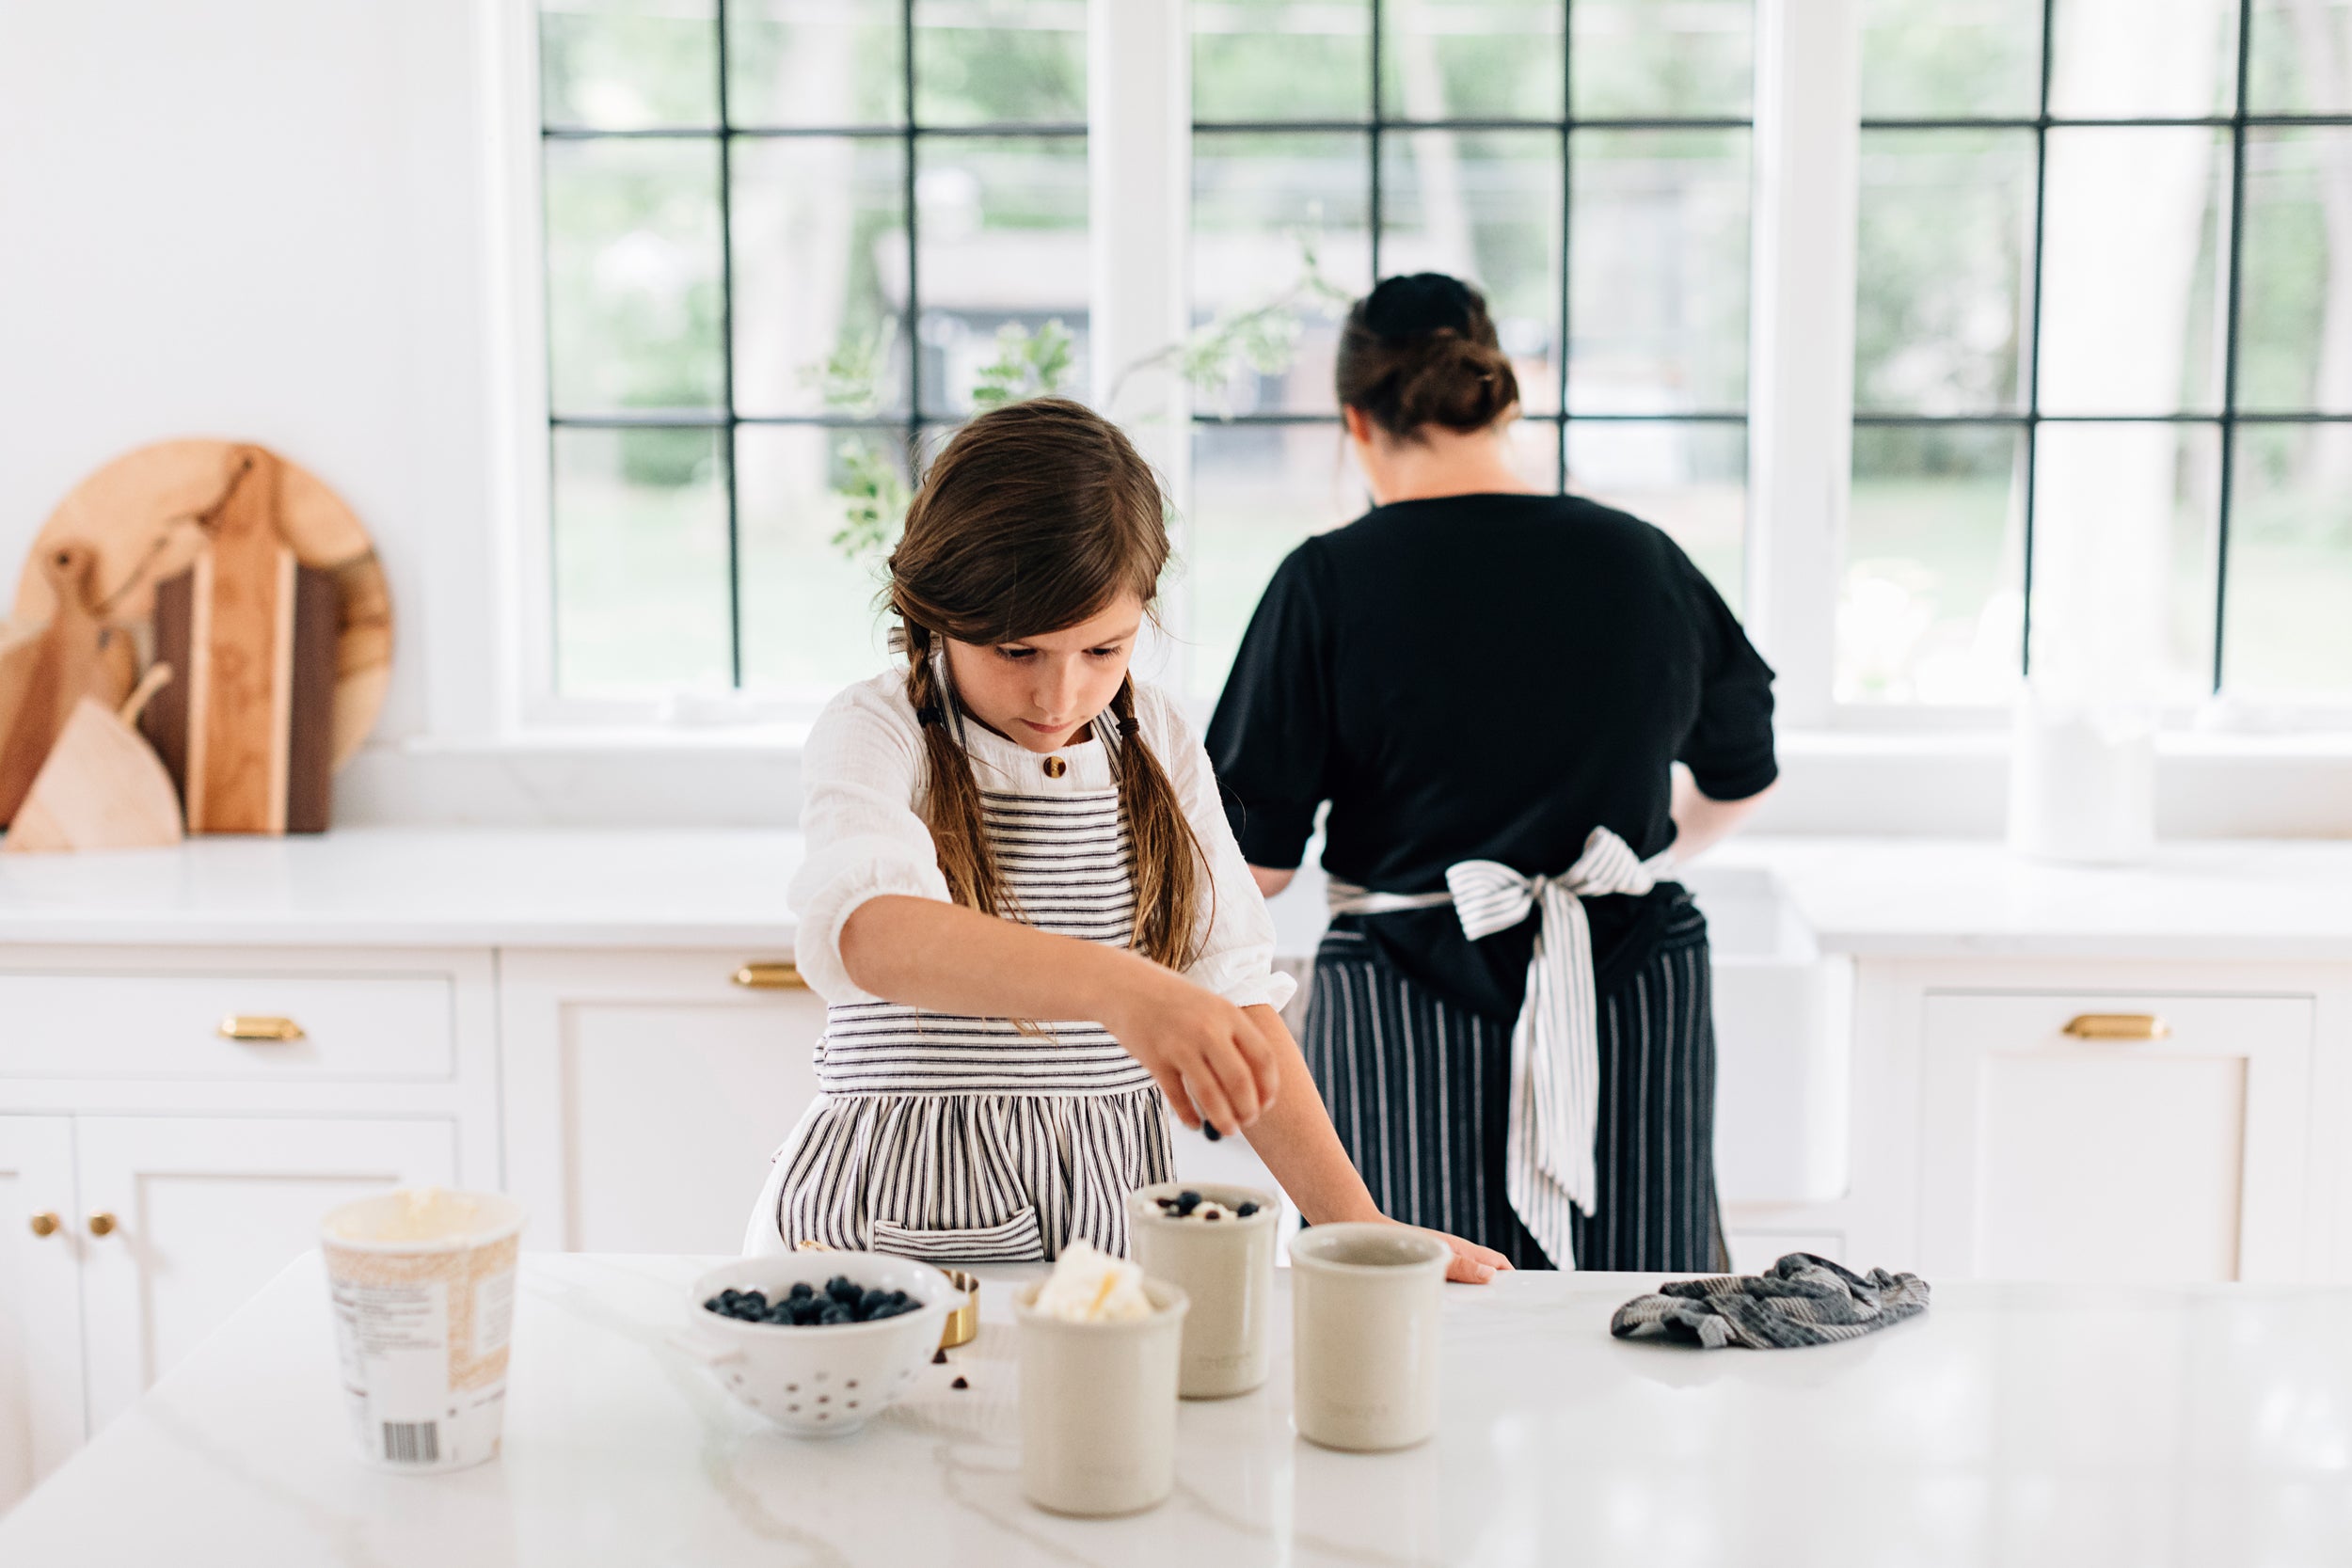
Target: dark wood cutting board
{"x":249,"y":734}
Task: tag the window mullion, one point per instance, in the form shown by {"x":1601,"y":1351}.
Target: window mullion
{"x":1139,"y":171}
{"x":1800,"y":388}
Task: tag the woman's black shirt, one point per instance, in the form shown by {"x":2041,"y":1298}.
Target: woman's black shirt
{"x":1487,"y":677}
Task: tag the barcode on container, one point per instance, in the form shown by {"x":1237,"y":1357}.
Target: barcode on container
{"x":412,"y":1442}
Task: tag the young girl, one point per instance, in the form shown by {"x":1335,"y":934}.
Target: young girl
{"x":1021,"y":899}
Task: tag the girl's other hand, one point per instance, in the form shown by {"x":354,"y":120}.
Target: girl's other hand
{"x":1209,"y":1058}
{"x":1472,"y":1264}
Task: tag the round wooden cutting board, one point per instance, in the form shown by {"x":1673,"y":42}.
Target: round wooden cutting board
{"x":139,"y":515}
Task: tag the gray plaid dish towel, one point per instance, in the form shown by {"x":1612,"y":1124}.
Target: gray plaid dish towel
{"x":1803,"y":1299}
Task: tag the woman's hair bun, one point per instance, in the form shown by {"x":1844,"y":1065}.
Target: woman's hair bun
{"x":1420,"y":350}
{"x":1454,"y":381}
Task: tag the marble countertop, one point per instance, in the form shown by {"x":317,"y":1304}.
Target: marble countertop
{"x":725,"y":888}
{"x":2013,"y":1424}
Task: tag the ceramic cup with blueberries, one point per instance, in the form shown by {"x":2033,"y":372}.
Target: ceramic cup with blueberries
{"x":818,"y":1342}
{"x":1215,"y":1243}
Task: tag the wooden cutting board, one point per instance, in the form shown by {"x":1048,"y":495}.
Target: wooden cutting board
{"x":247,"y":734}
{"x":43,"y":675}
{"x":141,"y":514}
{"x":102,"y":786}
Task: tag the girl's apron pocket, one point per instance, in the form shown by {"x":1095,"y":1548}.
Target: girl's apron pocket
{"x":1015,"y":1240}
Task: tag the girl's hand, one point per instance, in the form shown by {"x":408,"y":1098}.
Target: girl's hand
{"x":1209,"y":1058}
{"x":1472,"y":1264}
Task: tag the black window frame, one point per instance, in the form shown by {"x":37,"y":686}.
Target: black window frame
{"x":911,"y":132}
{"x":1379,"y":123}
{"x":2029,"y":420}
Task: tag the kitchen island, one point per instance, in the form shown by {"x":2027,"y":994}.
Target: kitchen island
{"x":2011,"y":1424}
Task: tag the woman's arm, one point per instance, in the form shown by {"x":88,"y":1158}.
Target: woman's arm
{"x":1204,"y":1051}
{"x":1700,"y":821}
{"x":1270,"y":881}
{"x":1296,"y":1141}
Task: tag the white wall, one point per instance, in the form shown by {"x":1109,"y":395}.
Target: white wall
{"x":259,"y":219}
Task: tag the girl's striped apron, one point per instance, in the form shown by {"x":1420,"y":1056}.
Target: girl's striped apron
{"x":961,"y":1139}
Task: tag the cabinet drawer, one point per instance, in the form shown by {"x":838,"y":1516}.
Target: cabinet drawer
{"x":351,"y":1026}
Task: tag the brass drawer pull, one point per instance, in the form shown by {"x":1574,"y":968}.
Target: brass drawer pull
{"x":769,"y":977}
{"x":45,"y":1223}
{"x":258,"y":1026}
{"x":101,"y":1224}
{"x":2116,"y":1026}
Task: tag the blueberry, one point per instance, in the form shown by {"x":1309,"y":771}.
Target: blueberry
{"x":1245,"y":1210}
{"x":843,"y":1289}
{"x":1186,"y":1201}
{"x":902,"y":1299}
{"x":836,"y":1313}
{"x":802,"y":1289}
{"x":807,"y":1312}
{"x":1208,"y":1131}
{"x":870,"y":1300}
{"x":716,"y":1304}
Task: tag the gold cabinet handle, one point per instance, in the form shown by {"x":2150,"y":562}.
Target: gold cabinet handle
{"x":2116,"y":1026}
{"x":45,"y":1223}
{"x":102,"y":1223}
{"x":259,"y":1026}
{"x":769,"y":977}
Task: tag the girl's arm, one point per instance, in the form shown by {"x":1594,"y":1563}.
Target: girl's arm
{"x":1297,"y":1142}
{"x":1203,"y":1050}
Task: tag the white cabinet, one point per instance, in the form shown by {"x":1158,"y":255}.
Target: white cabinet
{"x":2177,"y":1155}
{"x":40,"y":1313}
{"x":646,"y":1092}
{"x":163,"y":1227}
{"x":210,"y":1158}
{"x":205,"y":1211}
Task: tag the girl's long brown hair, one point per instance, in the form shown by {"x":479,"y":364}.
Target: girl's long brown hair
{"x":1035,"y":517}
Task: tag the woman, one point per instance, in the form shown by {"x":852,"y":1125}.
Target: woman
{"x":1490,"y":685}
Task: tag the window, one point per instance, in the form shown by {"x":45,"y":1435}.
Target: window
{"x":2101,"y":410}
{"x":1585,"y":163}
{"x":2103,"y":352}
{"x":782,"y":239}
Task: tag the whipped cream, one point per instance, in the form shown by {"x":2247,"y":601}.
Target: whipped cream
{"x":1089,"y":1285}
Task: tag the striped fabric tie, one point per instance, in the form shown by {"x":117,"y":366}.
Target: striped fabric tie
{"x":1555,"y":1045}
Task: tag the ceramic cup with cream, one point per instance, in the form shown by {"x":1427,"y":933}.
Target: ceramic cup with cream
{"x":1222,"y":1258}
{"x":422,"y":1285}
{"x":1099,"y":1352}
{"x":1367,"y":1307}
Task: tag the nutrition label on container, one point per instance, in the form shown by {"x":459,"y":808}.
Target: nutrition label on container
{"x":423,"y":1346}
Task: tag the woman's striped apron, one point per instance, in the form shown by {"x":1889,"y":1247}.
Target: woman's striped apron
{"x":961,"y":1139}
{"x":1580,"y":1137}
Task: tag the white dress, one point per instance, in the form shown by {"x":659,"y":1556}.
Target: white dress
{"x":963,"y":1139}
